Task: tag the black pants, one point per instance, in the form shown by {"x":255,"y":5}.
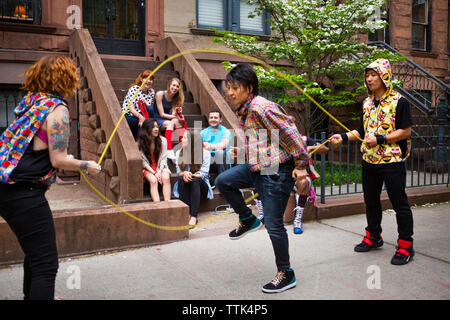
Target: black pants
{"x":191,"y":193}
{"x":26,"y":210}
{"x":219,"y":162}
{"x":394,"y":177}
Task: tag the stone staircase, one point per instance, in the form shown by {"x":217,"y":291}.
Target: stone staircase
{"x":122,"y":72}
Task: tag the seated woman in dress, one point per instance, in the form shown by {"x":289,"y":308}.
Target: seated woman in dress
{"x":153,"y":150}
{"x":168,"y":105}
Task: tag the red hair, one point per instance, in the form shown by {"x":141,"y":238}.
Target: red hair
{"x":52,"y":74}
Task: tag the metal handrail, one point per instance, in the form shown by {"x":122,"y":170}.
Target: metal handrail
{"x":409,"y":96}
{"x":442,"y":84}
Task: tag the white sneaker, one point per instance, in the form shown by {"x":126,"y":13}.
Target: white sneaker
{"x":298,"y":224}
{"x":259,"y":207}
{"x":171,"y":155}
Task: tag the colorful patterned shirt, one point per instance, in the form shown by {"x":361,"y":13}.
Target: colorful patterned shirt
{"x":31,"y":114}
{"x":262,"y":152}
{"x":383,"y":118}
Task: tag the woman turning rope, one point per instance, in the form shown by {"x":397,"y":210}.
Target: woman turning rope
{"x":31,"y":148}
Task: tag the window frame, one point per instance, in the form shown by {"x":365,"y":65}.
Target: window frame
{"x":231,"y":19}
{"x":427,"y":26}
{"x":7,"y":91}
{"x":373,"y":36}
{"x":37,"y":14}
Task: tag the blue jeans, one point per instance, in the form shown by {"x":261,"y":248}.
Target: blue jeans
{"x":274,"y":192}
{"x":133,"y":123}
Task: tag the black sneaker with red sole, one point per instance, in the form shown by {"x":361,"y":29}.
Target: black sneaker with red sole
{"x":404,"y":253}
{"x":369,"y":243}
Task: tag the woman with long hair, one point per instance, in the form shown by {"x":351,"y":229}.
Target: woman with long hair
{"x":142,"y":106}
{"x":168,"y":112}
{"x":153,"y":150}
{"x":31,"y":148}
{"x":193,"y":176}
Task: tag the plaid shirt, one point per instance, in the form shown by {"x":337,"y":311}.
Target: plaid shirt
{"x":259,"y":113}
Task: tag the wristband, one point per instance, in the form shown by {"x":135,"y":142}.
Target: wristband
{"x":344,"y":137}
{"x":381,"y":139}
{"x":84,"y":166}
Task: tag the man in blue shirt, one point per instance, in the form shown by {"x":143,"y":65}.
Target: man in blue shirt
{"x":216,"y":138}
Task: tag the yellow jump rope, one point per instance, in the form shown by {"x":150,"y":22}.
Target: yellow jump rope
{"x":229,"y":210}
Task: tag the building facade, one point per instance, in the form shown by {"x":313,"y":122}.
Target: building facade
{"x":419,"y":29}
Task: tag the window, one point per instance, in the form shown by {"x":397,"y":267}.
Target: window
{"x":421,"y":25}
{"x":231,"y":15}
{"x":9,"y":99}
{"x":382,"y":34}
{"x":20,"y":11}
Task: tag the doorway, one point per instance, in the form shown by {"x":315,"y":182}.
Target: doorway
{"x":116,"y":26}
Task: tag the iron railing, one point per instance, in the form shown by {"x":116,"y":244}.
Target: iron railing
{"x":417,"y":83}
{"x":428,"y":164}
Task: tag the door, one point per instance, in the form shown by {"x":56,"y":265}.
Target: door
{"x":116,"y":26}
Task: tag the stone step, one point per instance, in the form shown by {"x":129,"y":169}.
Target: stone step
{"x":125,"y":83}
{"x":121,"y":93}
{"x":206,"y":205}
{"x":130,"y":73}
{"x":135,"y":64}
{"x":104,"y":228}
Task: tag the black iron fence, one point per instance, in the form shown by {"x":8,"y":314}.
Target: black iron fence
{"x":428,"y":163}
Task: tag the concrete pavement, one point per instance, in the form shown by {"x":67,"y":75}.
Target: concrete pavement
{"x":209,"y":266}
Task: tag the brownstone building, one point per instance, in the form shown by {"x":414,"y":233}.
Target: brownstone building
{"x":111,"y":41}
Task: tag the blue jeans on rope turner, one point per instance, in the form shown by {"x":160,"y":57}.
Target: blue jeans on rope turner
{"x":274,"y":191}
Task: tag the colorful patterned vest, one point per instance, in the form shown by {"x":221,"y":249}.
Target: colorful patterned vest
{"x":31,"y":114}
{"x":381,"y":120}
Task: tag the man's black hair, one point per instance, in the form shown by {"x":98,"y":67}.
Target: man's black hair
{"x":215,"y":111}
{"x":244,"y":74}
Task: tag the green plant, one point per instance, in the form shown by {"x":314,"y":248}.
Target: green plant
{"x":347,"y":175}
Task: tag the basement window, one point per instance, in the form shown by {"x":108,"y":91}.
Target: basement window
{"x":20,"y":11}
{"x":9,"y":99}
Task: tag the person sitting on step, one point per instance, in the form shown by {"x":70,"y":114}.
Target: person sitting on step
{"x":153,"y":150}
{"x":193,"y":176}
{"x":168,"y":113}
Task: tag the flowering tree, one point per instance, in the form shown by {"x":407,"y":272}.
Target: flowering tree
{"x":318,"y":40}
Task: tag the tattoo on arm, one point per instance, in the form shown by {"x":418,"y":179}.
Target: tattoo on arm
{"x":59,"y":132}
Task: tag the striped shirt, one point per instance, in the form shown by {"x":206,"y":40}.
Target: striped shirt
{"x":259,"y":113}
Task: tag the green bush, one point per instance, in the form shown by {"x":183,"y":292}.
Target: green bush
{"x":344,"y":176}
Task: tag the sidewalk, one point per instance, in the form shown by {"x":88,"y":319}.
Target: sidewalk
{"x":209,"y":266}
